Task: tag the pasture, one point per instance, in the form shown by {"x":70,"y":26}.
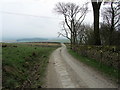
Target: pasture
{"x":24,"y":64}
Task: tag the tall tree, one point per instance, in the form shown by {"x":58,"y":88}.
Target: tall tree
{"x":96,"y":7}
{"x":111,"y":17}
{"x":73,"y":17}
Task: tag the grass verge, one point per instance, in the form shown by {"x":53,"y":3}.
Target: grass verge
{"x":107,"y":70}
{"x":24,"y":65}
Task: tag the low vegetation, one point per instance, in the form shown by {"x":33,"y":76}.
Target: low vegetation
{"x":110,"y":71}
{"x":24,"y":64}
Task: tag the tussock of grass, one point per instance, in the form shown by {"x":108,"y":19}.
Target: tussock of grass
{"x":24,"y":63}
{"x":108,"y":70}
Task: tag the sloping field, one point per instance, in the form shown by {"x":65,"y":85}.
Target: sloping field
{"x":24,"y":64}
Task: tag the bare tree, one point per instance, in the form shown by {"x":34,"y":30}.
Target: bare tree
{"x":66,"y":33}
{"x":81,"y":34}
{"x":96,"y":7}
{"x":111,"y":17}
{"x":73,"y":14}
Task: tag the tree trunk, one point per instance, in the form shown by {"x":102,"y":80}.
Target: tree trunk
{"x":112,"y":26}
{"x":96,"y":7}
{"x":71,"y":40}
{"x":96,"y":27}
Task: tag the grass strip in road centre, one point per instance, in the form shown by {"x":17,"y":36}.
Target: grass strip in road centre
{"x":108,"y":70}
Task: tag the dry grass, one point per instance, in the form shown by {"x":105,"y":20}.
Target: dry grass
{"x":43,"y":43}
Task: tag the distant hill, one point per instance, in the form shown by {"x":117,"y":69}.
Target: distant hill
{"x":59,"y":40}
{"x":42,"y":40}
{"x":32,"y":39}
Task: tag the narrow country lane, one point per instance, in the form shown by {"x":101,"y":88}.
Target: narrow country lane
{"x":66,"y":72}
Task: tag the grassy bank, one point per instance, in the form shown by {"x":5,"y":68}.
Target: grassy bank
{"x":107,"y":70}
{"x":24,"y":64}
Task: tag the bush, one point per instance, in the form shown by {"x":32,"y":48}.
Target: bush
{"x":108,"y":55}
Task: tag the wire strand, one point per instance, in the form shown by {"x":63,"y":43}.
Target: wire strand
{"x":22,"y":14}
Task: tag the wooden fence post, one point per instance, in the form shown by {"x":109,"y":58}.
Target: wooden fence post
{"x":118,"y":70}
{"x":101,"y":56}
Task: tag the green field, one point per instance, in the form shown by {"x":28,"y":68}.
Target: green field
{"x":24,"y":65}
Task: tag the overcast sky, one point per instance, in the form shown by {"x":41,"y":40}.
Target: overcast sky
{"x":33,"y":18}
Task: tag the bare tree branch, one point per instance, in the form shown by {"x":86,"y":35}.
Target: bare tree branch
{"x":73,"y":14}
{"x":63,"y":35}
